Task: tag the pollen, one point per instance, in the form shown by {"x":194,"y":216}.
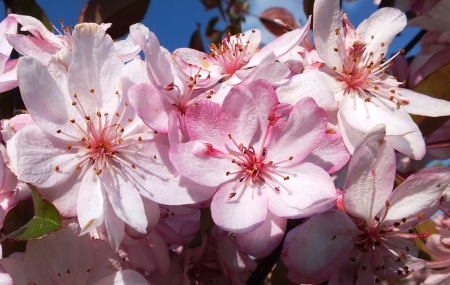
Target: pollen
{"x":98,"y":172}
{"x":286,"y":178}
{"x":367,"y":100}
{"x":130,"y":120}
{"x":419,"y":216}
{"x":78,"y":167}
{"x":227,"y":173}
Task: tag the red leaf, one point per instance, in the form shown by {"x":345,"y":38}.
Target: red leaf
{"x":121,"y":13}
{"x":267,"y":19}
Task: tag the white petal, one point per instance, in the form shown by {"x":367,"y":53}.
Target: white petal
{"x":420,"y":104}
{"x":91,"y":205}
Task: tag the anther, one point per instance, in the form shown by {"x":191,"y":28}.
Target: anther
{"x":392,"y":98}
{"x":393,"y":91}
{"x":56,"y":168}
{"x":139,"y":139}
{"x":367,"y":100}
{"x":72,"y":121}
{"x":98,"y":172}
{"x":134,"y":166}
{"x":402,"y":50}
{"x":333,"y":237}
{"x":372,"y":37}
{"x":120,"y":141}
{"x":232,"y":195}
{"x":399,"y":272}
{"x":291,"y":158}
{"x":69,"y":146}
{"x":396,"y":224}
{"x":74,"y":103}
{"x":154,"y":156}
{"x":98,"y":114}
{"x":387,"y":203}
{"x":88,"y":146}
{"x":130,"y":120}
{"x":87,"y":117}
{"x":92,"y":91}
{"x":336,"y":49}
{"x":78,"y":167}
{"x":382,"y":44}
{"x":364,"y":267}
{"x":419,"y":216}
{"x":117,"y":114}
{"x":58,"y":131}
{"x":404,"y":220}
{"x":337,"y":31}
{"x":286,"y":178}
{"x":227,"y":173}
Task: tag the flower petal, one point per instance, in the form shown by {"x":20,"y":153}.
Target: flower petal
{"x":265,"y":239}
{"x":91,"y":204}
{"x":242,"y":213}
{"x":320,"y":246}
{"x":370,"y":176}
{"x":420,"y":104}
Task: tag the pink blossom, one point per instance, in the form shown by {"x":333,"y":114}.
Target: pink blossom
{"x":95,"y":157}
{"x":367,"y":95}
{"x":8,"y":70}
{"x":69,"y":259}
{"x":252,"y":154}
{"x":372,"y":238}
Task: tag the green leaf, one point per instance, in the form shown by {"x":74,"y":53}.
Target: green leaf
{"x":206,"y":225}
{"x":436,"y":85}
{"x":45,"y":221}
{"x":121,"y":13}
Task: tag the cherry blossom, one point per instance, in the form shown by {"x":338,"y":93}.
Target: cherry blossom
{"x":251,"y":154}
{"x":372,"y":236}
{"x":69,"y":259}
{"x":94,"y":156}
{"x":367,"y":95}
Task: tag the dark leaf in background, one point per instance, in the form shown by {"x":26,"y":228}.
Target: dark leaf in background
{"x":121,"y":13}
{"x":45,"y":221}
{"x":426,"y":226}
{"x":30,"y":8}
{"x":386,"y":3}
{"x":279,"y":275}
{"x":206,"y":225}
{"x":196,"y":40}
{"x":436,"y":85}
{"x":308,"y":8}
{"x":268,"y":16}
{"x":213,"y":35}
{"x":210,"y":4}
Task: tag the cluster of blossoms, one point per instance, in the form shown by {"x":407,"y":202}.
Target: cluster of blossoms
{"x":132,"y":151}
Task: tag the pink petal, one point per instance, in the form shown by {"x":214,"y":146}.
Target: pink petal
{"x":8,"y":80}
{"x":288,"y":135}
{"x":151,"y":106}
{"x":15,"y":272}
{"x":417,"y":193}
{"x":94,"y":76}
{"x":157,"y":179}
{"x":381,"y":28}
{"x":47,"y":103}
{"x":7,"y":26}
{"x":91,"y":204}
{"x":281,"y":45}
{"x":327,"y":19}
{"x":127,"y":49}
{"x":262,"y":241}
{"x":411,"y":144}
{"x":436,"y":248}
{"x":123,"y":277}
{"x":202,"y":123}
{"x":309,"y":188}
{"x":370,"y":176}
{"x":160,"y":251}
{"x":320,"y":246}
{"x":33,"y":47}
{"x":331,"y":154}
{"x":420,"y":104}
{"x":309,"y":84}
{"x":363,"y":116}
{"x":242,"y":213}
{"x":105,"y":262}
{"x":191,"y":159}
{"x":124,"y":197}
{"x":115,"y":226}
{"x":40,"y":159}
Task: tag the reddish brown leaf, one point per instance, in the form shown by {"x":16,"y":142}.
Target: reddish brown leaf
{"x":267,"y":19}
{"x":210,"y":4}
{"x":196,"y":40}
{"x":121,"y":13}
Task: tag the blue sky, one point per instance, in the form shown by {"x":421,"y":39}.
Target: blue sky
{"x":173,"y":21}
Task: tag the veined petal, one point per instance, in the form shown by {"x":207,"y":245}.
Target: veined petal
{"x":281,"y":45}
{"x":244,"y":212}
{"x":47,"y":103}
{"x":320,"y":246}
{"x":363,"y":116}
{"x":124,"y":197}
{"x":307,"y":185}
{"x":370,"y":176}
{"x":417,"y":193}
{"x":309,"y":84}
{"x":327,"y":22}
{"x":288,"y":135}
{"x":157,"y":179}
{"x":32,"y":47}
{"x":420,"y":104}
{"x":115,"y":227}
{"x":380,"y":29}
{"x":411,"y":144}
{"x":94,"y":76}
{"x":40,"y":159}
{"x":264,"y":239}
{"x":91,"y":204}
